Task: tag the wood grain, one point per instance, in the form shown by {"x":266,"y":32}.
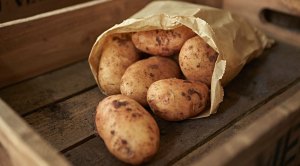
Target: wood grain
{"x":43,"y":90}
{"x":15,"y":9}
{"x":54,"y":39}
{"x":197,"y":155}
{"x":18,"y":143}
{"x":252,"y":10}
{"x":264,"y":139}
{"x":67,"y":122}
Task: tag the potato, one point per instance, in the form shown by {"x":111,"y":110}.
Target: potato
{"x":197,"y":60}
{"x":140,"y":75}
{"x":176,"y":99}
{"x":162,"y":42}
{"x":118,"y":53}
{"x":129,"y":132}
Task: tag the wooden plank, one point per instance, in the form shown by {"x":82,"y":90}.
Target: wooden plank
{"x":16,"y":9}
{"x":11,"y":10}
{"x":272,"y":140}
{"x":258,"y":83}
{"x":48,"y":88}
{"x":197,"y":155}
{"x":95,"y":153}
{"x":20,"y":145}
{"x":51,"y":40}
{"x":253,"y":11}
{"x":66,"y":123}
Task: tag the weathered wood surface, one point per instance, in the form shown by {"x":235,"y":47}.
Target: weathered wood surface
{"x":272,"y":140}
{"x":46,"y":89}
{"x":20,"y":145}
{"x":196,"y":156}
{"x":69,"y":122}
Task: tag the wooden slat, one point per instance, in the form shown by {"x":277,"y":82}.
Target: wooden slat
{"x":64,"y":124}
{"x":269,"y":140}
{"x":11,"y":10}
{"x":16,"y":9}
{"x":37,"y":44}
{"x":20,"y":145}
{"x":48,"y":88}
{"x":197,"y":155}
{"x":70,"y":121}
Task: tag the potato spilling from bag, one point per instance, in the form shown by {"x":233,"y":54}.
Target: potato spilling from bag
{"x":211,"y":46}
{"x":140,"y":75}
{"x":130,"y":133}
{"x":128,"y":130}
{"x":176,"y":99}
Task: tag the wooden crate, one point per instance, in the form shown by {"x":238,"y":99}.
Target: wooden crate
{"x":16,"y":9}
{"x":278,"y":18}
{"x":48,"y":117}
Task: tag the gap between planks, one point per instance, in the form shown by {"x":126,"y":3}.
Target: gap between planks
{"x":53,"y":87}
{"x":69,"y":122}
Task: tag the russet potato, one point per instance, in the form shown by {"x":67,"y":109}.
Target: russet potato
{"x":140,"y":75}
{"x":197,"y":60}
{"x":129,"y":132}
{"x":162,"y":42}
{"x":118,"y":53}
{"x":176,"y":99}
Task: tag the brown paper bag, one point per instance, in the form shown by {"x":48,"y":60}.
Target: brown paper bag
{"x":232,"y":37}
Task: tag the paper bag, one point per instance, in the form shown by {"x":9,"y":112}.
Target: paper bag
{"x":232,"y":37}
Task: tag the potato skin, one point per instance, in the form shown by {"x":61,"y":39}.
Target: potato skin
{"x":129,"y":132}
{"x":176,"y":99}
{"x":140,"y":75}
{"x":162,"y":42}
{"x":197,"y":60}
{"x":118,"y":53}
